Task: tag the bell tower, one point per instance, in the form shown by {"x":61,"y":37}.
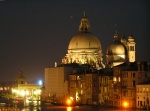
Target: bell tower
{"x":131,"y":49}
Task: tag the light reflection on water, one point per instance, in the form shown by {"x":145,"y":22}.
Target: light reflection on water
{"x":47,"y":109}
{"x":30,"y":109}
{"x":29,"y":105}
{"x":75,"y":108}
{"x":36,"y":106}
{"x":69,"y":108}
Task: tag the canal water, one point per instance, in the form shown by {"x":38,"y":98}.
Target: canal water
{"x":75,"y":108}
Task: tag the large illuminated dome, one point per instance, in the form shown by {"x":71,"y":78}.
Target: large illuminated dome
{"x":84,"y":41}
{"x":116,"y":52}
{"x":84,"y":48}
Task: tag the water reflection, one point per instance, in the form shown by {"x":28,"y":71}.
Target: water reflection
{"x":32,"y":103}
{"x":31,"y":109}
{"x":69,"y":108}
{"x":28,"y":105}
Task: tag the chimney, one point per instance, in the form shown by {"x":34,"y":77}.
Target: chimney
{"x":142,"y":66}
{"x":138,"y":63}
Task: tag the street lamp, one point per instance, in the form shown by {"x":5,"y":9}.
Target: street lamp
{"x":125,"y":104}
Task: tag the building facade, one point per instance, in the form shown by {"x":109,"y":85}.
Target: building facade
{"x":110,"y":84}
{"x":56,"y":81}
{"x":84,"y":88}
{"x":84,"y":47}
{"x":121,"y":85}
{"x":143,"y":95}
{"x":24,"y":91}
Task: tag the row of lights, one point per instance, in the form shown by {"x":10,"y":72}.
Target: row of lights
{"x":25,"y":93}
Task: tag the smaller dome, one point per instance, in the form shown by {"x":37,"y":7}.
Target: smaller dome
{"x":116,"y":48}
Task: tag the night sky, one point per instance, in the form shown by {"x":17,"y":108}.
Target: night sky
{"x":36,"y":33}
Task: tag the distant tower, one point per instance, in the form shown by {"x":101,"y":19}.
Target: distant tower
{"x":131,"y":48}
{"x":21,"y":79}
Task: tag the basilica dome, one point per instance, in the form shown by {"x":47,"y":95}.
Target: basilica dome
{"x":84,"y":41}
{"x":84,"y":47}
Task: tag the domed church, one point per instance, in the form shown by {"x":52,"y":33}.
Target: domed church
{"x":84,"y":48}
{"x":120,"y":51}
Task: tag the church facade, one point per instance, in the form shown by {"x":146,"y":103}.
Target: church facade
{"x":85,"y":77}
{"x":84,"y":47}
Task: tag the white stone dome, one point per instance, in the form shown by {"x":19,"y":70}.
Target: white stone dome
{"x":84,"y":47}
{"x":84,"y":41}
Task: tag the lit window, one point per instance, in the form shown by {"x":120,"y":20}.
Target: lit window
{"x":78,"y":77}
{"x":143,"y":89}
{"x":114,"y":79}
{"x":1,"y":88}
{"x":147,"y":89}
{"x":81,"y":85}
{"x":119,"y":79}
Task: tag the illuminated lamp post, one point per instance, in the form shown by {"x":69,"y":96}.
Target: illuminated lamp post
{"x":69,"y":101}
{"x":125,"y":104}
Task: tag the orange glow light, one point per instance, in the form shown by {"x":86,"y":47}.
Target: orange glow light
{"x":125,"y":104}
{"x":69,"y":102}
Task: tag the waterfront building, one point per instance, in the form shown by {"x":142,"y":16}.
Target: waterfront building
{"x":143,"y":95}
{"x":56,"y":81}
{"x":24,"y":91}
{"x":84,"y":87}
{"x":83,"y":75}
{"x":84,"y":48}
{"x":105,"y":86}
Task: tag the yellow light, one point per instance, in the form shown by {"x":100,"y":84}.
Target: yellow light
{"x":14,"y":90}
{"x":27,"y":92}
{"x":114,"y":79}
{"x":77,"y":97}
{"x":22,"y":93}
{"x":35,"y":92}
{"x":125,"y":104}
{"x":69,"y":108}
{"x":69,"y":101}
{"x":27,"y":101}
{"x":39,"y":91}
{"x":71,"y":98}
